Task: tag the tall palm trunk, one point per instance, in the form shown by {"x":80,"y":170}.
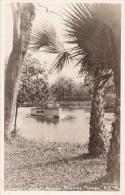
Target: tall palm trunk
{"x":22,"y":23}
{"x":113,"y":163}
{"x":96,"y":141}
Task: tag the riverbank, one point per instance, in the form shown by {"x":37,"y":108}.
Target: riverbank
{"x":30,"y":165}
{"x":108,"y":107}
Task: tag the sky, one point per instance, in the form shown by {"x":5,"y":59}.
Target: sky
{"x":41,"y":16}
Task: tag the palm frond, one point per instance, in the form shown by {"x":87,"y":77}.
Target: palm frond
{"x":61,"y":60}
{"x":90,"y":33}
{"x":44,"y":36}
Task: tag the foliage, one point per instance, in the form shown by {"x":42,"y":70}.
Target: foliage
{"x":68,"y":90}
{"x":34,"y":83}
{"x":90,"y":40}
{"x":45,"y":38}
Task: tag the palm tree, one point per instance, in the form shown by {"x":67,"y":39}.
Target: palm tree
{"x":23,"y":15}
{"x":109,"y":15}
{"x":112,"y":17}
{"x":96,"y":30}
{"x":90,"y":38}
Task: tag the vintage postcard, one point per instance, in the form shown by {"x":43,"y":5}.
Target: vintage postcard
{"x":62,"y":97}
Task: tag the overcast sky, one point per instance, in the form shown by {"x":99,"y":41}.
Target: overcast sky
{"x":42,"y":15}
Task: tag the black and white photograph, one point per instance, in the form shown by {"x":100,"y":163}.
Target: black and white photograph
{"x":62,"y":95}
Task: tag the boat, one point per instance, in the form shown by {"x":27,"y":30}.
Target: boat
{"x":49,"y":109}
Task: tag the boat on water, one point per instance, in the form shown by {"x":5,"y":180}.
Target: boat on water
{"x":49,"y":109}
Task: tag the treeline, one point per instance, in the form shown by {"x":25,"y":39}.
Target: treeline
{"x":66,"y":89}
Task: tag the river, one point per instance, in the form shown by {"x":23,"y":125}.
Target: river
{"x":71,"y":127}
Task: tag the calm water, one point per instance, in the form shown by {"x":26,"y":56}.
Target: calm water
{"x":73,"y":126}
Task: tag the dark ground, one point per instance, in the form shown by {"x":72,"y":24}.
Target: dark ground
{"x":52,"y":166}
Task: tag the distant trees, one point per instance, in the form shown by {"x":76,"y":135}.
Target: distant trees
{"x":66,"y":89}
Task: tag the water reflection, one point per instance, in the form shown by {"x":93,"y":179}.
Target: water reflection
{"x":70,"y":118}
{"x":54,"y":121}
{"x":72,"y":126}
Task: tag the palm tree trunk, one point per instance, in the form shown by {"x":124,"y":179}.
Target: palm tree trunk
{"x":96,"y":141}
{"x":22,"y":23}
{"x":113,"y":162}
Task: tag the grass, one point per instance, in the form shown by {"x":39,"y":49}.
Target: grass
{"x":30,"y":165}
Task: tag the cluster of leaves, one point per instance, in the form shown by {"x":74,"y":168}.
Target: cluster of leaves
{"x":92,"y":39}
{"x":34,"y":86}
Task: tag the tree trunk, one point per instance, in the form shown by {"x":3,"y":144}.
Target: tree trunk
{"x":11,"y":72}
{"x":113,"y":163}
{"x":10,"y":92}
{"x":96,"y":141}
{"x":22,"y":23}
{"x":15,"y":120}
